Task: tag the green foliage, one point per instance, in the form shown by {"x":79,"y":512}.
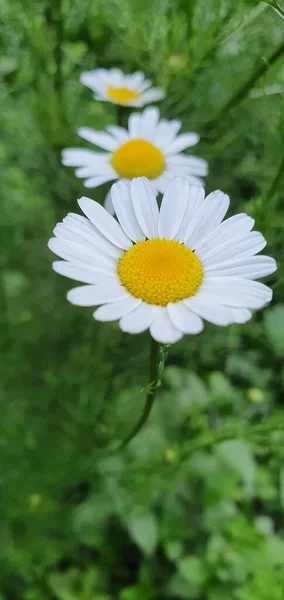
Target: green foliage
{"x":192,"y":508}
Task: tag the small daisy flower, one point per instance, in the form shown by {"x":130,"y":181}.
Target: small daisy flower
{"x":165,"y":269}
{"x":126,"y":90}
{"x":150,"y":147}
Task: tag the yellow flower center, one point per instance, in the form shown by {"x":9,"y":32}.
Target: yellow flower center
{"x":136,"y":158}
{"x":122,"y":95}
{"x":160,"y":271}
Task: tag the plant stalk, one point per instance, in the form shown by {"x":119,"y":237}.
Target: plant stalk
{"x":157,"y":363}
{"x":249,"y":85}
{"x":119,"y":115}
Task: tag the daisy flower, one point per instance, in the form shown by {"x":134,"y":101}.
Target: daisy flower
{"x":150,"y":147}
{"x":164,"y":269}
{"x":126,"y":90}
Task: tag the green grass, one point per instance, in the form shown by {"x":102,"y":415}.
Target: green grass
{"x":192,"y":509}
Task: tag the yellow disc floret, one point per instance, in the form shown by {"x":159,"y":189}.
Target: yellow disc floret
{"x":159,"y":271}
{"x":137,"y":158}
{"x":122,"y":95}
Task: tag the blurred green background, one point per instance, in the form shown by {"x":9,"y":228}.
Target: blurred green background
{"x":193,"y":508}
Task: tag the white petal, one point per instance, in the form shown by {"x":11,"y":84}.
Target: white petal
{"x":134,"y":103}
{"x":134,"y":125}
{"x":105,"y":223}
{"x":184,"y":319}
{"x":108,"y":205}
{"x":246,"y":245}
{"x":116,"y":77}
{"x":195,"y":198}
{"x":160,"y":183}
{"x":86,"y":78}
{"x":194,"y":180}
{"x":91,"y":295}
{"x":145,"y":206}
{"x":235,"y":292}
{"x":119,"y":133}
{"x":79,"y":157}
{"x":162,"y":328}
{"x":136,"y":79}
{"x":96,"y":181}
{"x":99,"y":138}
{"x":145,"y":85}
{"x":153,"y":95}
{"x":210,"y":213}
{"x":95,"y":80}
{"x":116,"y":310}
{"x":102,"y":97}
{"x":188,"y":164}
{"x":185,"y":140}
{"x":149,"y":122}
{"x":138,"y":319}
{"x":91,"y":275}
{"x":104,"y":172}
{"x":181,"y":171}
{"x":166,"y":132}
{"x":241,"y":315}
{"x":76,"y":253}
{"x":173,"y":207}
{"x":122,"y":202}
{"x":235,"y":226}
{"x":84,"y":233}
{"x":208,"y":310}
{"x":250,"y":267}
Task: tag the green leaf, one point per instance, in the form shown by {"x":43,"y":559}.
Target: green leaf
{"x":60,"y":585}
{"x":275,"y":550}
{"x":135,"y":592}
{"x":237,"y":455}
{"x":180,"y":588}
{"x":144,"y":531}
{"x":193,"y":569}
{"x":173,"y":550}
{"x":221,"y":388}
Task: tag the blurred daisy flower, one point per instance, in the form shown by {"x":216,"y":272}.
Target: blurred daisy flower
{"x":164,"y":269}
{"x":150,"y":147}
{"x":126,"y":90}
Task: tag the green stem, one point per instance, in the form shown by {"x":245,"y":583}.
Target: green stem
{"x":243,"y":92}
{"x":119,"y":114}
{"x":156,"y":368}
{"x":247,"y":87}
{"x":276,"y":7}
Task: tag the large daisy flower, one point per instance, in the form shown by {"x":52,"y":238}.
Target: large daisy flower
{"x":164,"y":269}
{"x":150,"y":147}
{"x":126,"y":90}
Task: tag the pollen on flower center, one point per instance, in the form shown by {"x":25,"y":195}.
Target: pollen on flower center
{"x":137,"y":158}
{"x":122,"y":95}
{"x":159,"y":271}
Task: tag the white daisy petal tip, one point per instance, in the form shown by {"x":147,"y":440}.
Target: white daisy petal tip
{"x":84,"y":202}
{"x":104,"y":223}
{"x":162,"y":328}
{"x":139,"y":270}
{"x":273,"y":266}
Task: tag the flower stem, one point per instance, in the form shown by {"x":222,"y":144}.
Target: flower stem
{"x":157,"y":364}
{"x":258,"y":73}
{"x":119,"y":114}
